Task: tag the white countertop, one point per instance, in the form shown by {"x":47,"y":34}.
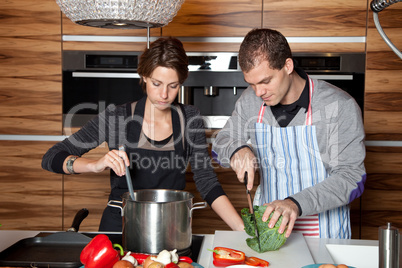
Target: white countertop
{"x":316,"y":246}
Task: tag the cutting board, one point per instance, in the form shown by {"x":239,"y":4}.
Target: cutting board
{"x":293,"y":254}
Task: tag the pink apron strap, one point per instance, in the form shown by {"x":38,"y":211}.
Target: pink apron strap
{"x":261,"y":113}
{"x":309,"y":119}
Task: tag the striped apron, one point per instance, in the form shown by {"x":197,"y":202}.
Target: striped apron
{"x":290,"y":161}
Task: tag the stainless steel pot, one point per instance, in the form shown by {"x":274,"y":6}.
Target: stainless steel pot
{"x":157,"y":219}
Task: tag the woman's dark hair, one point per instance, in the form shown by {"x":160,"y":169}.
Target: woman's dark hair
{"x":263,"y":44}
{"x":164,"y":52}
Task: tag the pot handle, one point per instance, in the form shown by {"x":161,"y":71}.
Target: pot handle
{"x":110,"y":204}
{"x":200,"y":204}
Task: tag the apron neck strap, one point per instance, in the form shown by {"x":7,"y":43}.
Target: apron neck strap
{"x":134,"y":127}
{"x":309,"y":118}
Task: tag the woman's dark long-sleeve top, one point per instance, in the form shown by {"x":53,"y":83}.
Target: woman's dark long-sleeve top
{"x":110,"y":127}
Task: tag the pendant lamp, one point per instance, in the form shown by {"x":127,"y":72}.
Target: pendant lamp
{"x":121,"y":14}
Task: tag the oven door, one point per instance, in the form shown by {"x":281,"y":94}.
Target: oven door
{"x":352,"y":83}
{"x":87,"y":93}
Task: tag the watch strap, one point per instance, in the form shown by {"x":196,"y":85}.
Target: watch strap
{"x":69,"y":164}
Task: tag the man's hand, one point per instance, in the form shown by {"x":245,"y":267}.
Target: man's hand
{"x":244,"y":160}
{"x":288,"y":209}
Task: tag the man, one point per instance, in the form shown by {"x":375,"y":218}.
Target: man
{"x":306,"y":136}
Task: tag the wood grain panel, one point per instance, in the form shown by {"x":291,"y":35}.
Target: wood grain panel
{"x":328,"y":47}
{"x":31,"y":198}
{"x":385,"y":200}
{"x":383,"y":101}
{"x":374,"y":219}
{"x":384,"y":60}
{"x":316,"y":18}
{"x":89,"y":191}
{"x":30,"y":105}
{"x":383,"y":124}
{"x":384,"y":81}
{"x":30,"y":68}
{"x":382,"y":198}
{"x":377,"y":43}
{"x":384,"y":160}
{"x":215,"y":18}
{"x":104,"y":46}
{"x":383,"y":78}
{"x":29,"y":18}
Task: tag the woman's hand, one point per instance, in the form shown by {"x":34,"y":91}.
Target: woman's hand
{"x":115,"y":160}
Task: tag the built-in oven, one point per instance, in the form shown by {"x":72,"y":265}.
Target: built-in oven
{"x":94,"y":79}
{"x":216,"y":81}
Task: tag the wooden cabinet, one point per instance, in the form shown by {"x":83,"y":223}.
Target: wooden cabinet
{"x":383,"y":98}
{"x":209,"y":18}
{"x":89,"y":191}
{"x":31,"y":198}
{"x":30,"y":70}
{"x":201,"y":20}
{"x":311,"y":18}
{"x":316,"y":18}
{"x":382,"y":198}
{"x":381,"y":201}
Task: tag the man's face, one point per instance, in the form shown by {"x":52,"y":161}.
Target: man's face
{"x":272,"y":86}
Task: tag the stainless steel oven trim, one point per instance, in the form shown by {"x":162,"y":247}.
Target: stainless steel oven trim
{"x":105,"y":75}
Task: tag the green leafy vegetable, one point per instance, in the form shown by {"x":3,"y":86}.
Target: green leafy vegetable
{"x":270,"y":239}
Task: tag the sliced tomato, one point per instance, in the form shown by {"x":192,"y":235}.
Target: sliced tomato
{"x":254,"y":261}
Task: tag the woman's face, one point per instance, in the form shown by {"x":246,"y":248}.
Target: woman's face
{"x":162,"y":87}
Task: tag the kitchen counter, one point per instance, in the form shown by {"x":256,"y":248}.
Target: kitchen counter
{"x":317,"y":246}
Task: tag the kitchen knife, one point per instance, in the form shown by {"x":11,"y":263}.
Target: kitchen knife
{"x":250,"y":204}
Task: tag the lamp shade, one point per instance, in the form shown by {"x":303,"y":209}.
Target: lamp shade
{"x":121,"y":14}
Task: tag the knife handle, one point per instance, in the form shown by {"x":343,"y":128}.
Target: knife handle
{"x":246,"y":180}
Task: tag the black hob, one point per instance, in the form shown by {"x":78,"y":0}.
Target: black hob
{"x":193,"y":251}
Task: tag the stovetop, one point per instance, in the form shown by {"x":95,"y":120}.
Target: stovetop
{"x":116,"y":238}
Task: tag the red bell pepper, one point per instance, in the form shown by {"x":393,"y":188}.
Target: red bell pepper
{"x":140,"y":257}
{"x":99,"y":253}
{"x":185,"y":259}
{"x":223,"y":257}
{"x":254,"y":261}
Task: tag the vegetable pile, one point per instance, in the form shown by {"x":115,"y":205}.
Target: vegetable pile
{"x":270,"y":239}
{"x":101,"y":253}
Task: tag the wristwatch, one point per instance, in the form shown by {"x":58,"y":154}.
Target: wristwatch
{"x":69,"y":164}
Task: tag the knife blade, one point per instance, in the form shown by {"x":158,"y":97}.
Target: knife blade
{"x":250,"y":204}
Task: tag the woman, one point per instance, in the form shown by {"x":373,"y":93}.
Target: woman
{"x":160,"y":138}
